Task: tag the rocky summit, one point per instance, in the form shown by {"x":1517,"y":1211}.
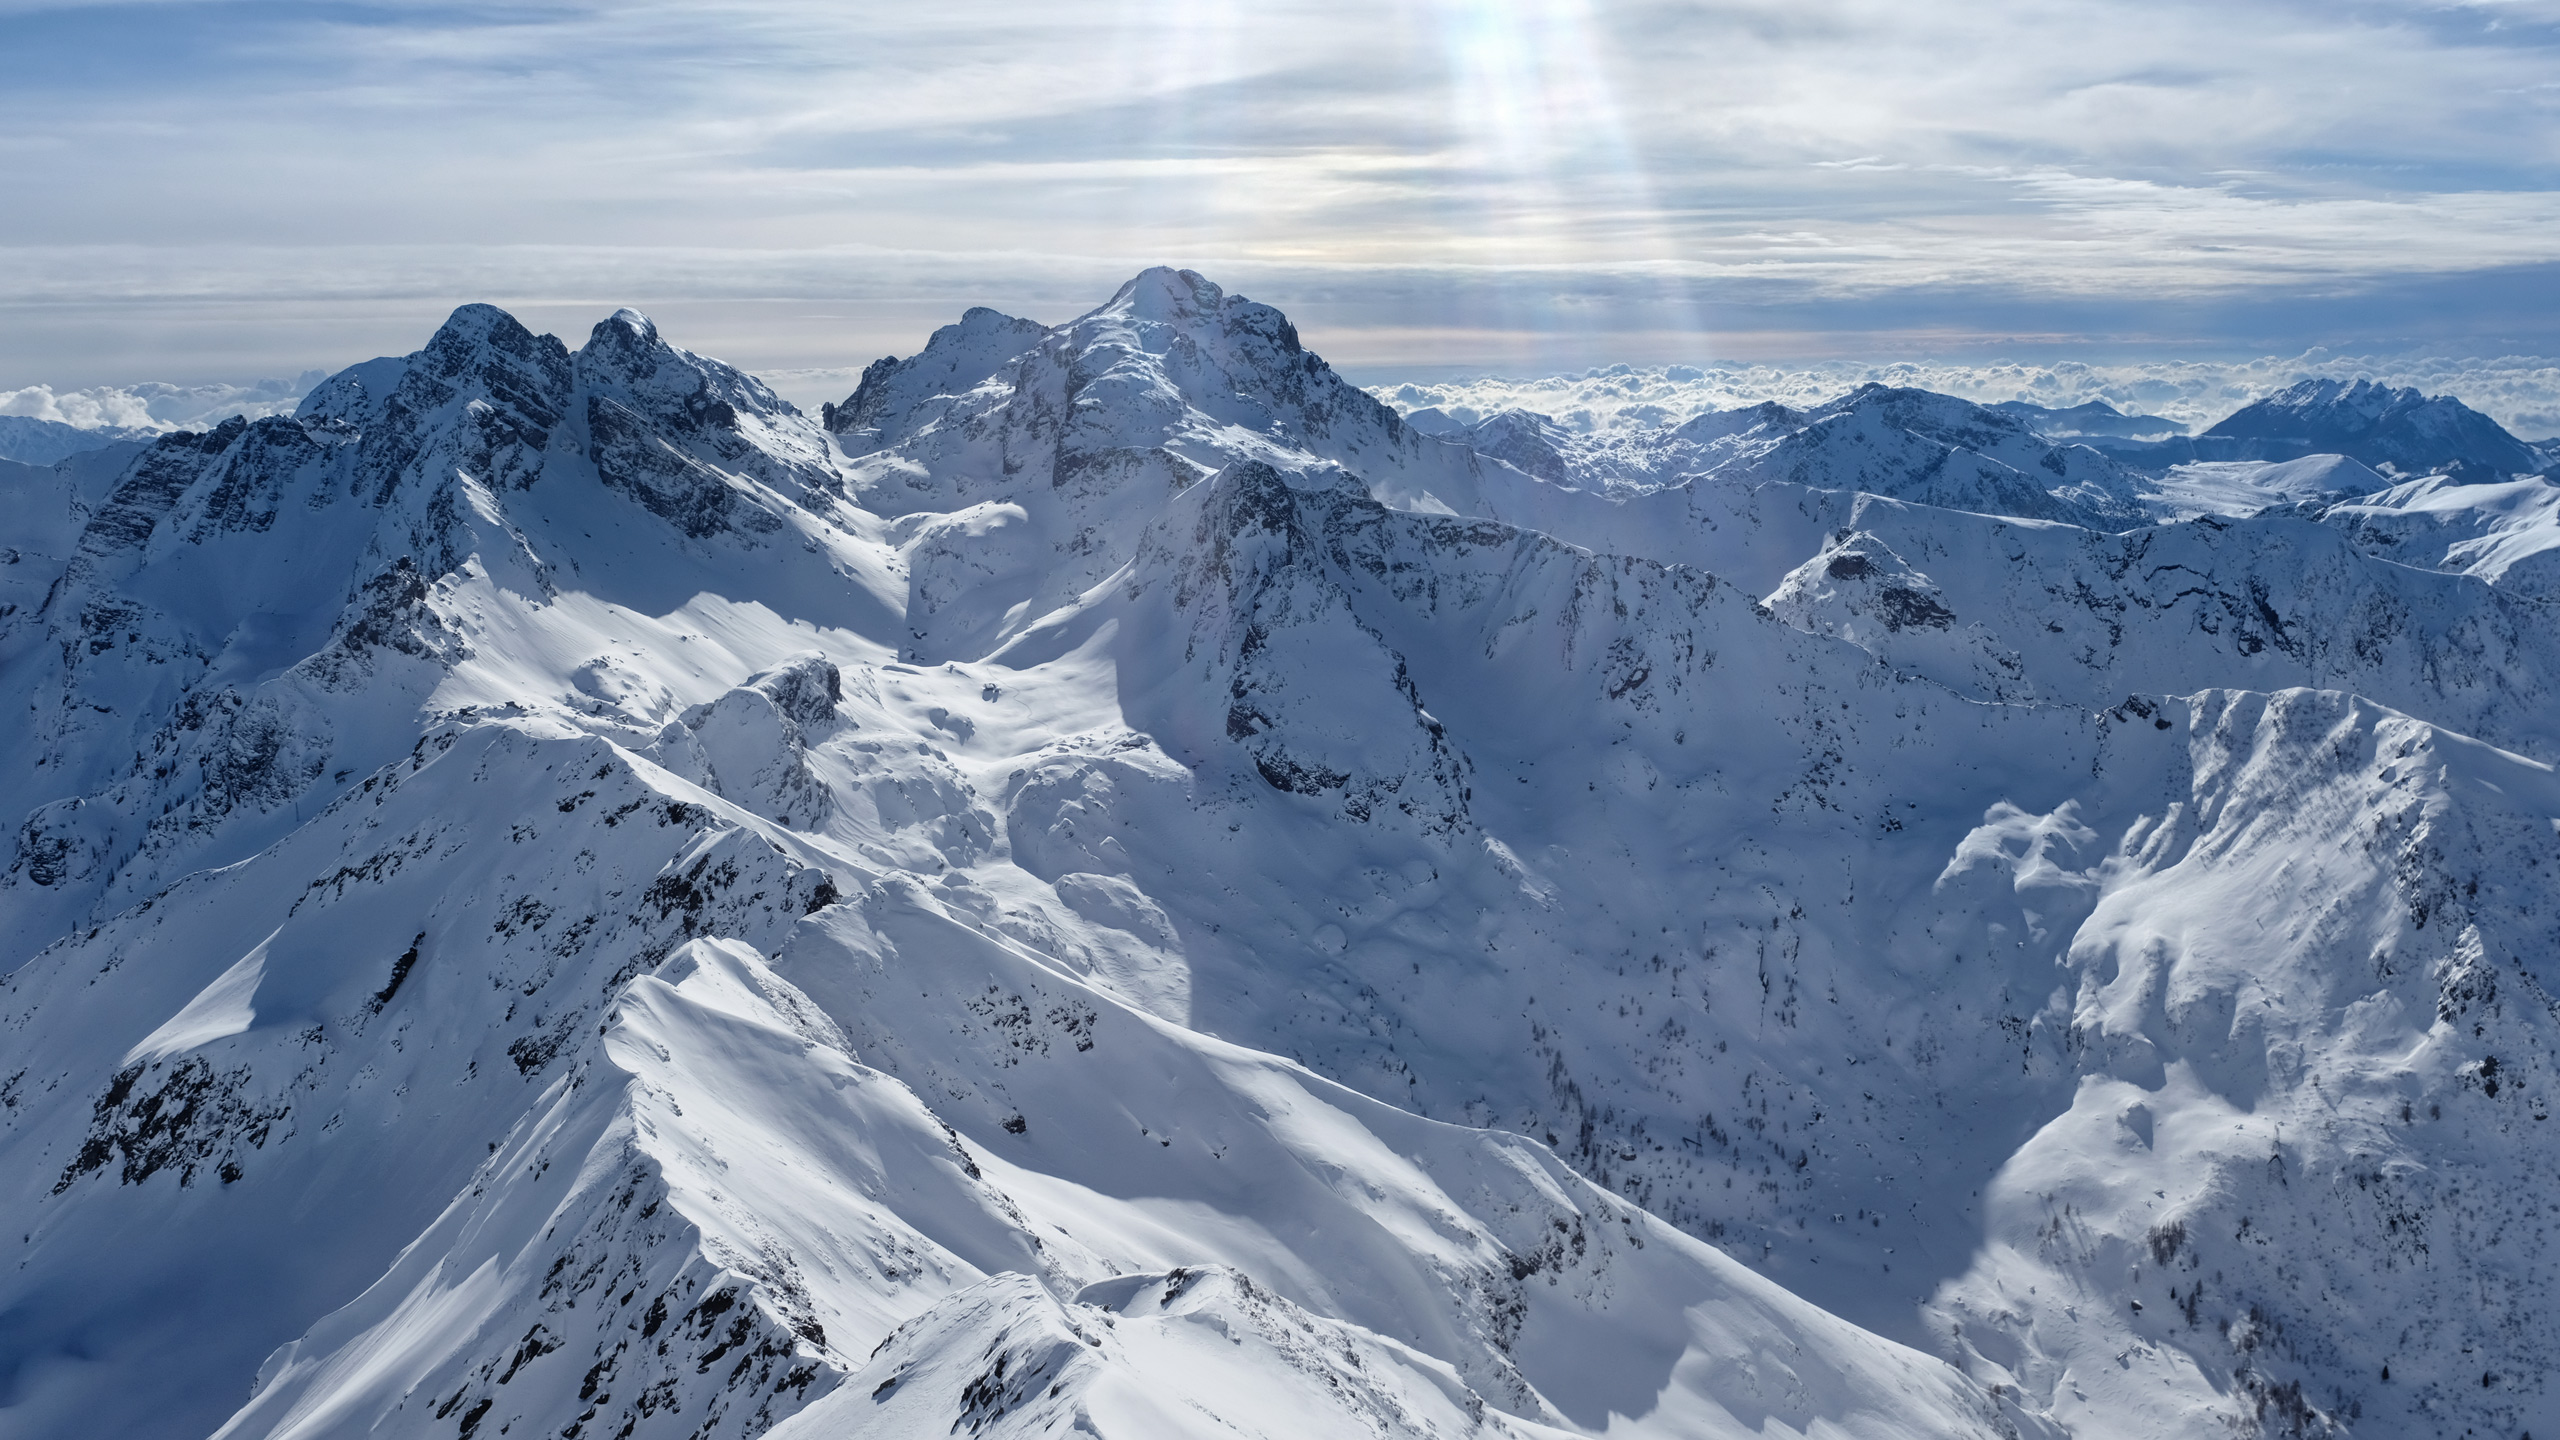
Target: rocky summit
{"x":1110,"y":884}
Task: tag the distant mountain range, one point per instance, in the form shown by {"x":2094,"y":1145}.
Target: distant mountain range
{"x":2397,"y":431}
{"x":30,"y":441}
{"x":2090,"y":418}
{"x":2315,"y":442}
{"x":1909,"y":444}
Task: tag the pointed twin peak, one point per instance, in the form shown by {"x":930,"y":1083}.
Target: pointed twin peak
{"x":475,"y":334}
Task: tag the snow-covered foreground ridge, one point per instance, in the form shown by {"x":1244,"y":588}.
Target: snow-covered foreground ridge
{"x":1110,"y":886}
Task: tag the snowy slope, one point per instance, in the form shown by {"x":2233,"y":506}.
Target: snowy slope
{"x":42,"y":511}
{"x":1114,"y":884}
{"x":2245,"y":487}
{"x":2505,"y":532}
{"x":2290,"y":1157}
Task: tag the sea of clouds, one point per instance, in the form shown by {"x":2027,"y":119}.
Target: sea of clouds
{"x":2519,"y":392}
{"x":153,"y":406}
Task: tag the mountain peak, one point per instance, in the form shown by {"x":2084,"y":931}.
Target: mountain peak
{"x":628,"y":339}
{"x":1184,"y":302}
{"x":1162,"y":292}
{"x":2088,"y":418}
{"x":954,"y":359}
{"x":481,"y":324}
{"x":2336,"y":400}
{"x":490,"y":345}
{"x":1909,"y":405}
{"x":632,"y":320}
{"x":33,"y":441}
{"x":979,"y":319}
{"x":2380,"y":425}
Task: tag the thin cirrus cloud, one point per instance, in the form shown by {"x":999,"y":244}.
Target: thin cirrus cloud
{"x":209,"y":189}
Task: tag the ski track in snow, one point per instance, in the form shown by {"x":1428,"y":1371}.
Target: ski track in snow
{"x":1109,"y":884}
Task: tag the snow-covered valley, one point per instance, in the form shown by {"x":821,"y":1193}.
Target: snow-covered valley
{"x":1109,"y":884}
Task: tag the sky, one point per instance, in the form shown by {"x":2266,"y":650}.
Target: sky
{"x":204,"y":191}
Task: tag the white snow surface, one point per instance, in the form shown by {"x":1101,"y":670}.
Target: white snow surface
{"x":2506,"y":533}
{"x":1108,"y":884}
{"x":222,"y":1009}
{"x":2245,"y":487}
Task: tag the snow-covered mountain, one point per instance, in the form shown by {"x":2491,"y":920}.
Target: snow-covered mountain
{"x":1109,"y":883}
{"x":2089,"y":418}
{"x":2411,"y":432}
{"x":1909,"y":444}
{"x":2400,"y":431}
{"x":29,"y":440}
{"x":1019,"y":466}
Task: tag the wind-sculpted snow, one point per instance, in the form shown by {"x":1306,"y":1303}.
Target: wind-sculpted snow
{"x":1117,"y":887}
{"x":1169,"y":1354}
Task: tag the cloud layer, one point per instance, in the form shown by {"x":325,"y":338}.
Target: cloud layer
{"x":157,"y":406}
{"x":218,"y":185}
